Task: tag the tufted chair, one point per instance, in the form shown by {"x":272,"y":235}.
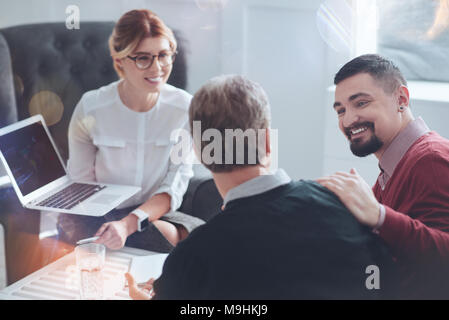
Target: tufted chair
{"x":45,"y":68}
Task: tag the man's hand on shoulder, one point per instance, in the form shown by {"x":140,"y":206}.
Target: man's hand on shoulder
{"x":355,"y":194}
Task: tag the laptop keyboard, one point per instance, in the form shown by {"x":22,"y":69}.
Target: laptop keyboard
{"x":71,"y":195}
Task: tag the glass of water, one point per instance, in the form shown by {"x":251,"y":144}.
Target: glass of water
{"x":90,"y":259}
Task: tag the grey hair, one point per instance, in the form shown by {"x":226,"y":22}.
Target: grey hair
{"x":230,"y":102}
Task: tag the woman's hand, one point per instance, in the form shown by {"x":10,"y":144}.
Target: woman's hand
{"x":113,"y":234}
{"x":140,"y":292}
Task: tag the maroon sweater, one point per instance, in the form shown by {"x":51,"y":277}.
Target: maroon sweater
{"x":416,"y":226}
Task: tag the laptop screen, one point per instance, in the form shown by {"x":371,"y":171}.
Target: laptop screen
{"x":31,"y":157}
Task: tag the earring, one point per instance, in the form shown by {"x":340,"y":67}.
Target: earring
{"x":401,"y":108}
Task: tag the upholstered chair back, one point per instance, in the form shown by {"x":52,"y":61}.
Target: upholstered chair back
{"x":45,"y":68}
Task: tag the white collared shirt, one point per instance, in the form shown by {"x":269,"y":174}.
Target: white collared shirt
{"x":258,"y":185}
{"x":110,"y":143}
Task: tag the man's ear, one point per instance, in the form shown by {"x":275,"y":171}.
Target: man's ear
{"x":197,"y":150}
{"x":403,"y":96}
{"x":267,"y":141}
{"x":264,"y":154}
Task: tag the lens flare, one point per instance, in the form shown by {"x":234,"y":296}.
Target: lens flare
{"x":214,"y":5}
{"x":441,"y":21}
{"x":334,"y":18}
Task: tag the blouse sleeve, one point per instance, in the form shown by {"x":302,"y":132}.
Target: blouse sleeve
{"x":82,"y":151}
{"x":180,"y":170}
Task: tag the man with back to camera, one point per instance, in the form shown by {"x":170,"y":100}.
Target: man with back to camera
{"x":275,"y":238}
{"x":409,"y":204}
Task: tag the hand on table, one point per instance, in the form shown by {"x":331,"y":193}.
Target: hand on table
{"x":113,"y":234}
{"x":355,"y":194}
{"x":140,"y":292}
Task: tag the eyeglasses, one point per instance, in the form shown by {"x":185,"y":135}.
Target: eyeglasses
{"x":144,"y":61}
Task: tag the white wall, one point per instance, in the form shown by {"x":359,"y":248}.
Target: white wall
{"x":276,"y":44}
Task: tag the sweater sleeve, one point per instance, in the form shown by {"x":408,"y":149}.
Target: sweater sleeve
{"x":421,"y":230}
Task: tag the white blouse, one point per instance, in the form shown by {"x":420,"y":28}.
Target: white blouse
{"x":110,"y":143}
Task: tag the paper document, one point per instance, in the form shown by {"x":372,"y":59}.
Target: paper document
{"x":145,"y":267}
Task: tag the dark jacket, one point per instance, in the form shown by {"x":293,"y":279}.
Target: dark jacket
{"x":296,"y":241}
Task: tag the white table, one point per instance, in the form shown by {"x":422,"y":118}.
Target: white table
{"x":60,"y":279}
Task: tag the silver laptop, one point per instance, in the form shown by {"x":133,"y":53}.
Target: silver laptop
{"x":40,"y":178}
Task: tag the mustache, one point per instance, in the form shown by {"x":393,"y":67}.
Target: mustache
{"x":367,"y":124}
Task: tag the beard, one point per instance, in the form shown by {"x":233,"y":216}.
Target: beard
{"x":364,"y":149}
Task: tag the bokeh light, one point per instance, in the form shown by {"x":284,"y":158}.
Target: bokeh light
{"x":49,"y":105}
{"x":88,"y":122}
{"x":441,"y":22}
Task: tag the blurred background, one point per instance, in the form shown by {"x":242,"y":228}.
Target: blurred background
{"x":293,"y":49}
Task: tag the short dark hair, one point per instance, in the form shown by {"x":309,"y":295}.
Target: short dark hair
{"x":381,"y":69}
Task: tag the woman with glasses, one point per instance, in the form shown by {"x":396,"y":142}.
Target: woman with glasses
{"x":121,"y":134}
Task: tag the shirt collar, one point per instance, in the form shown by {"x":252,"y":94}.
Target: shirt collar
{"x":257,"y":185}
{"x":401,"y":143}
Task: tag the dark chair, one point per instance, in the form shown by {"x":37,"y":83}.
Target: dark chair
{"x":64,"y":64}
